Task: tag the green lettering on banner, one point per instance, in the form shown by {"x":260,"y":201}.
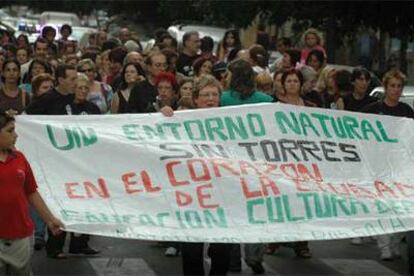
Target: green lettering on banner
{"x":215,"y":127}
{"x":397,"y":224}
{"x":256,"y":124}
{"x":130,"y":132}
{"x":250,"y":210}
{"x":96,"y":218}
{"x":382,"y":207}
{"x":367,"y":128}
{"x":234,"y":128}
{"x":323,"y":210}
{"x":322,"y":121}
{"x":153,"y":133}
{"x":351,"y":124}
{"x":288,"y":210}
{"x":75,"y":137}
{"x":173,"y":127}
{"x":282,"y":121}
{"x":190,"y":132}
{"x":338,"y":127}
{"x":213,"y":220}
{"x":279,"y":210}
{"x":384,"y":134}
{"x":306,"y":124}
{"x":201,"y":219}
{"x":69,"y":215}
{"x":145,"y":219}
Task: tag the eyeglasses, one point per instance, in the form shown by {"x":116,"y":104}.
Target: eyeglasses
{"x":164,"y":65}
{"x":209,"y":95}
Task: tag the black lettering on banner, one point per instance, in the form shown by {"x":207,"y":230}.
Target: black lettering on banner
{"x":172,"y":147}
{"x":309,"y":147}
{"x":275,"y":155}
{"x":351,"y":150}
{"x":326,"y":151}
{"x":249,"y":149}
{"x":288,"y":146}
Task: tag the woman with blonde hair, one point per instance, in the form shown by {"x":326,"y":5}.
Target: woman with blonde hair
{"x":312,"y":40}
{"x":99,"y":92}
{"x":264,"y":83}
{"x":325,"y":85}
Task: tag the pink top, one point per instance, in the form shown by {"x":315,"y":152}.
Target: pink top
{"x":305,"y":52}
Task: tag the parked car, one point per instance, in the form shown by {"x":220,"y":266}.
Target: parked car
{"x":59,"y":18}
{"x":216,"y":33}
{"x":407,"y":95}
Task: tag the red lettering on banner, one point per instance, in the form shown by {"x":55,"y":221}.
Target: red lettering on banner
{"x":306,"y":174}
{"x":404,"y":188}
{"x":290,"y":171}
{"x":70,"y":190}
{"x":146,"y":180}
{"x":270,"y":168}
{"x":245,"y":166}
{"x":171,"y":175}
{"x":204,"y":175}
{"x":128,"y":184}
{"x":101,"y":190}
{"x":301,"y":187}
{"x":183,"y":198}
{"x":267,"y":184}
{"x":202,"y":196}
{"x":224,"y":164}
{"x":246,"y":191}
{"x":89,"y":189}
{"x":382,"y":188}
{"x":361,"y":191}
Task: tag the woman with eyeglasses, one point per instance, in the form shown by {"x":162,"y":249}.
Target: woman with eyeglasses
{"x":205,"y":95}
{"x":99,"y":92}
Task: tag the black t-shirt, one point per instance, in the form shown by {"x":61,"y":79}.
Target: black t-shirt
{"x":313,"y":97}
{"x":400,"y":110}
{"x":50,"y":103}
{"x":185,"y":64}
{"x":352,"y":104}
{"x":84,"y":108}
{"x":142,"y":97}
{"x":116,"y":82}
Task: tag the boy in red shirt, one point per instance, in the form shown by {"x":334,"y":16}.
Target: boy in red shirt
{"x":18,"y":189}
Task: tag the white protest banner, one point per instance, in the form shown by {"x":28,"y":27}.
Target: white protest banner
{"x":258,"y":173}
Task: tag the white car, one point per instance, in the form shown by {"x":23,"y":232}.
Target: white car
{"x":407,"y":95}
{"x":59,"y":18}
{"x":216,"y":33}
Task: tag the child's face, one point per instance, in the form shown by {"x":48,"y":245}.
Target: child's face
{"x":311,"y":40}
{"x":8,"y":136}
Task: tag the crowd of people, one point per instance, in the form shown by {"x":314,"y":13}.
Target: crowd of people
{"x":114,"y":75}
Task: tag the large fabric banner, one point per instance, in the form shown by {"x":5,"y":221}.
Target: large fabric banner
{"x":258,"y":173}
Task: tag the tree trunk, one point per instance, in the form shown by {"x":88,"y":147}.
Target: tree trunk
{"x":403,"y":50}
{"x":331,"y":38}
{"x":382,"y":58}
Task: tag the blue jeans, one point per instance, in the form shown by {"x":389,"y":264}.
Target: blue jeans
{"x":40,"y":225}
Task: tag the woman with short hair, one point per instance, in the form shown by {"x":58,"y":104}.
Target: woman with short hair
{"x":99,"y":92}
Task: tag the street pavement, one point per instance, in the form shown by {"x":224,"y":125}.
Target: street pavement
{"x":131,"y":257}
